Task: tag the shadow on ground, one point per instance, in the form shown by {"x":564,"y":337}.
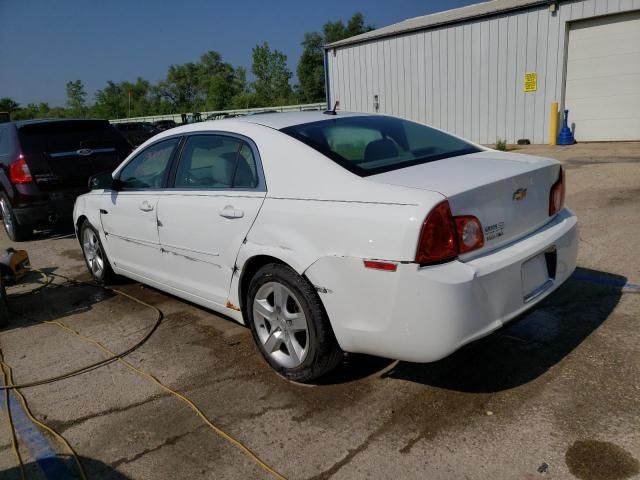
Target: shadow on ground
{"x":31,"y":301}
{"x":55,"y":232}
{"x":95,"y":470}
{"x":528,"y":346}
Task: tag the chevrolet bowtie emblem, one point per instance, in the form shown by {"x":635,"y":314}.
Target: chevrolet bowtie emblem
{"x":519,"y":194}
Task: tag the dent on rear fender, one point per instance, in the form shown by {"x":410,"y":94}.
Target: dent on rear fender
{"x":295,"y":258}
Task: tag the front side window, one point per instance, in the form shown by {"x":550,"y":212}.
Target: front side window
{"x":148,"y":169}
{"x":367,"y":145}
{"x":216,"y":161}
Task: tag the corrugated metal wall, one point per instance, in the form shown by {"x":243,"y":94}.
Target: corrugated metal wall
{"x":467,"y":78}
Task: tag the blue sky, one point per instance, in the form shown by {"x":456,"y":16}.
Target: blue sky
{"x":43,"y":44}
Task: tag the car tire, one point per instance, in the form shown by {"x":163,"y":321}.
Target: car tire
{"x":4,"y":305}
{"x":15,"y":231}
{"x":290,"y":325}
{"x":95,"y":257}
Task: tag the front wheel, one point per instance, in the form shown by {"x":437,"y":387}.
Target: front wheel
{"x":94,"y":255}
{"x":289,"y":324}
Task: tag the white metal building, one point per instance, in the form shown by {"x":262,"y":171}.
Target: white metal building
{"x":491,"y":70}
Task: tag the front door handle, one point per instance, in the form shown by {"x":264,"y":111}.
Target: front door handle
{"x":230,"y":212}
{"x":145,"y":206}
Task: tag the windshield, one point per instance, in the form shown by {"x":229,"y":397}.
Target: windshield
{"x":367,"y":145}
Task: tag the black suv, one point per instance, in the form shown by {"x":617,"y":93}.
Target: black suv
{"x":46,"y":164}
{"x":137,"y":132}
{"x":163,"y":125}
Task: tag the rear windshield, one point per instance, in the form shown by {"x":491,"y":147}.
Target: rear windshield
{"x":367,"y":145}
{"x":68,"y":136}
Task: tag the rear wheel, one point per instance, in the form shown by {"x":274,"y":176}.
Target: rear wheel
{"x":15,"y":230}
{"x":289,"y":324}
{"x":94,"y":255}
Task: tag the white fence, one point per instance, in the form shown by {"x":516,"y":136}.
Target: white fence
{"x":177,"y":117}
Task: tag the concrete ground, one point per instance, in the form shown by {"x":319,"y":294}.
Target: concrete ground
{"x":554,"y":395}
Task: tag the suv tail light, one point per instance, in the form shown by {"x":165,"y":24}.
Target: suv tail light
{"x":443,"y":236}
{"x":19,"y":171}
{"x":556,"y":196}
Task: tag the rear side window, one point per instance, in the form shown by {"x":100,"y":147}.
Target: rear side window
{"x":68,"y":136}
{"x":216,"y":161}
{"x":367,"y":145}
{"x":149,"y":168}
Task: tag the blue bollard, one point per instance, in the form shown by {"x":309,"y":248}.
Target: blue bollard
{"x":565,"y":137}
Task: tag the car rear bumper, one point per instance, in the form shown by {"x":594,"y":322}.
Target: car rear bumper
{"x":422,"y":314}
{"x":59,"y":207}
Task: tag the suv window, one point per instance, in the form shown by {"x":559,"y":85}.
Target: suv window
{"x":216,"y":161}
{"x":70,"y":135}
{"x":149,"y":167}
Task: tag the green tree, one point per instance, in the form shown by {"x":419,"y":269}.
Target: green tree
{"x":311,"y":69}
{"x":181,"y":88}
{"x":219,"y":81}
{"x":76,"y":98}
{"x":141,"y":96}
{"x":271,"y":85}
{"x":40,"y":110}
{"x":110,"y":102}
{"x":8,"y":105}
{"x":311,"y":65}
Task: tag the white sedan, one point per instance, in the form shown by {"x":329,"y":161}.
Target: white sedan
{"x":328,"y":233}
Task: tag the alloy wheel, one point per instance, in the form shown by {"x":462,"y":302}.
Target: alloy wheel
{"x":93,"y":252}
{"x":7,"y":219}
{"x":281,"y":324}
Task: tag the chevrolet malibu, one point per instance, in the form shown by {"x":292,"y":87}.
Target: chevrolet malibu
{"x":328,"y":233}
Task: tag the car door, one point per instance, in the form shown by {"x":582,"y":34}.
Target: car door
{"x":129,"y":216}
{"x":218,"y":189}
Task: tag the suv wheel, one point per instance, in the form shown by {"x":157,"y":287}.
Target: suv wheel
{"x":15,"y":231}
{"x":94,"y":255}
{"x":289,"y":324}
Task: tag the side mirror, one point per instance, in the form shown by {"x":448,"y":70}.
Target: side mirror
{"x":102,"y":181}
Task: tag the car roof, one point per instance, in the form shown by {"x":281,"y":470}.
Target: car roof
{"x":287,"y":119}
{"x":36,"y":121}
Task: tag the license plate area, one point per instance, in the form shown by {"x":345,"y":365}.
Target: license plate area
{"x":538,"y":274}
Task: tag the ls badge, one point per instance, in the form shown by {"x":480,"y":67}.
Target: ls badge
{"x":519,"y":194}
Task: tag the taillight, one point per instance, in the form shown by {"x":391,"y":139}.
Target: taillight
{"x":470,"y":236}
{"x":438,"y":240}
{"x":556,"y":196}
{"x":19,"y":171}
{"x":443,"y":236}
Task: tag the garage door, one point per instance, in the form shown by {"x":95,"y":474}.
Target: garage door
{"x":603,"y":78}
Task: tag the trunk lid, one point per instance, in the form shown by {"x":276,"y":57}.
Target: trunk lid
{"x":65,"y":153}
{"x":507,"y":192}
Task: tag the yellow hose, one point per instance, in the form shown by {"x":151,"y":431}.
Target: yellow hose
{"x":118,"y":357}
{"x":182,"y":397}
{"x":25,"y":406}
{"x":12,"y":429}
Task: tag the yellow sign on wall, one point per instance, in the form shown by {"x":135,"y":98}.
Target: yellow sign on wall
{"x":530,"y":81}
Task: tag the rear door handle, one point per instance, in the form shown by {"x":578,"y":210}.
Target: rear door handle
{"x":230,"y":212}
{"x":145,"y":206}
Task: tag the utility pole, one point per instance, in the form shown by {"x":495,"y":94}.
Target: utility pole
{"x":129,"y":114}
